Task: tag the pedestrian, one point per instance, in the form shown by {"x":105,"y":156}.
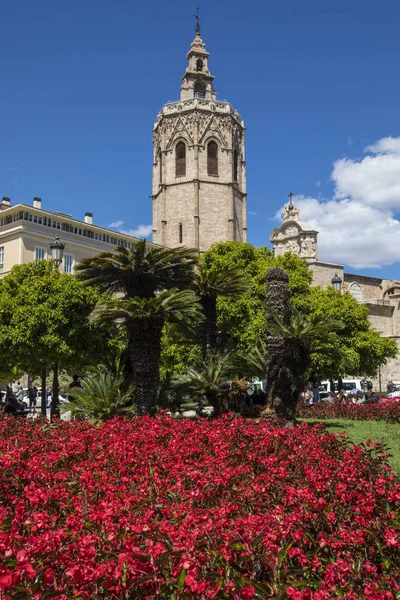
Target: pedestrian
{"x":32,"y":395}
{"x":76,"y":382}
{"x":9,"y":392}
{"x":315,"y":393}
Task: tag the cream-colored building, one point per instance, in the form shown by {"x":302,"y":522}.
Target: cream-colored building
{"x":199,"y":169}
{"x":26,"y":233}
{"x":381,"y":296}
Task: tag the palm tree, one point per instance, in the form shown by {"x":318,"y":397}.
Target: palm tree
{"x":140,"y":271}
{"x":209,"y":285}
{"x":252,"y":364}
{"x":102,"y":397}
{"x":208,"y":378}
{"x":138,"y":279}
{"x":144,"y":318}
{"x":308,"y":335}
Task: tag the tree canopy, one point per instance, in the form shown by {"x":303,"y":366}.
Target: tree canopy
{"x":44,"y":318}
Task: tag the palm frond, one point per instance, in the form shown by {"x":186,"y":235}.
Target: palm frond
{"x":230,"y":282}
{"x":182,"y":308}
{"x":139,"y":271}
{"x":102,"y":397}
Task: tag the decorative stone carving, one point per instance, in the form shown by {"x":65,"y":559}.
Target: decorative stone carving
{"x":308,"y":248}
{"x":295,"y":236}
{"x":291,"y":231}
{"x":291,"y":213}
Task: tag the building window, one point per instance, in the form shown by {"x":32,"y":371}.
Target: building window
{"x":180,"y":233}
{"x":69,"y":261}
{"x":235,"y":165}
{"x":2,"y":259}
{"x":212,"y":158}
{"x":199,"y":90}
{"x":160,"y":164}
{"x":180,"y":159}
{"x":40,"y":253}
{"x":199,"y":65}
{"x":356,"y":291}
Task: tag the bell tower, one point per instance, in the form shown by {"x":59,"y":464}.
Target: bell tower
{"x":199,"y":169}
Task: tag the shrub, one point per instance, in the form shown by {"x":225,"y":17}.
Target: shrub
{"x":386,"y":411}
{"x":181,"y":509}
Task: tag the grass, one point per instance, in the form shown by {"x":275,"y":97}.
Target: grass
{"x":360,"y":431}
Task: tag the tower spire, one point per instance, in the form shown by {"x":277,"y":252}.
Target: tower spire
{"x":197,"y":17}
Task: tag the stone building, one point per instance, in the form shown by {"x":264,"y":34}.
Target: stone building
{"x":199,"y":169}
{"x":26,"y":233}
{"x":381,"y":296}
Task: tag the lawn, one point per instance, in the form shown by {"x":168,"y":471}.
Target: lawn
{"x":360,"y":431}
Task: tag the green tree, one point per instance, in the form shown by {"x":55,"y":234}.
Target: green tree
{"x":243,"y":316}
{"x":365,"y":350}
{"x":141,"y":279}
{"x":44,"y":319}
{"x":144,"y":319}
{"x":211,"y":284}
{"x":309,"y":337}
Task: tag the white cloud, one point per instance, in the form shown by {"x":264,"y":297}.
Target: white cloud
{"x":116,"y":224}
{"x":358,"y":226}
{"x":142,"y":231}
{"x":387,"y":145}
{"x":251,"y":213}
{"x":352,"y":233}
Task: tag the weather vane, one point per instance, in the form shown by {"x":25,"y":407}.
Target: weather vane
{"x":197,"y":17}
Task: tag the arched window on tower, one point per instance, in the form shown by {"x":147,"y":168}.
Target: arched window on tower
{"x":160,"y":164}
{"x":356,"y":291}
{"x":199,"y":90}
{"x":212,"y":158}
{"x":180,"y":233}
{"x":235,"y":165}
{"x":199,"y":64}
{"x":180,"y":159}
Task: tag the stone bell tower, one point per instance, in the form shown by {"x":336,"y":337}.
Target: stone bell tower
{"x":199,"y":169}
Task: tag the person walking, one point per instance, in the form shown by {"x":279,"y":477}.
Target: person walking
{"x":76,"y":382}
{"x":32,"y":395}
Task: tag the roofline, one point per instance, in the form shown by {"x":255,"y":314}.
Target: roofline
{"x":65,"y":218}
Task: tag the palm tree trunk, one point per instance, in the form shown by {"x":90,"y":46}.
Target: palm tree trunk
{"x":209,"y":327}
{"x":145,"y":350}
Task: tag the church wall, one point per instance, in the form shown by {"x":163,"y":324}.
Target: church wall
{"x":381,"y":318}
{"x":324,"y":272}
{"x":238,"y":216}
{"x":179,"y":208}
{"x":214,"y":211}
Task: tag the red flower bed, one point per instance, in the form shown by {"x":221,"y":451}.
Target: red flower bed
{"x":386,"y":411}
{"x":180,"y":509}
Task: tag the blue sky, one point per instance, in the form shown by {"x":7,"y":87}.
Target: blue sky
{"x":316,"y":83}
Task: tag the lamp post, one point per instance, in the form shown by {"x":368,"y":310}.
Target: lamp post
{"x":57,"y":251}
{"x":57,"y":254}
{"x":336,"y":282}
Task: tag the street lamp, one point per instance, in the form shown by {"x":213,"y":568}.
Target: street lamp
{"x":57,"y":251}
{"x":57,"y":254}
{"x":336,"y":282}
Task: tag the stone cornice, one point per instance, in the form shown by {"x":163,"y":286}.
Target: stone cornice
{"x":201,"y":105}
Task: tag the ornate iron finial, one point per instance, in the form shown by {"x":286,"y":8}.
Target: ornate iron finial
{"x":291,"y":199}
{"x":197,"y":17}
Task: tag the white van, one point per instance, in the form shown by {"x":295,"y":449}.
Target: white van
{"x":348,"y":385}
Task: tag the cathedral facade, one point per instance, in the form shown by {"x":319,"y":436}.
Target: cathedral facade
{"x":381,"y":296}
{"x":199,"y":169}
